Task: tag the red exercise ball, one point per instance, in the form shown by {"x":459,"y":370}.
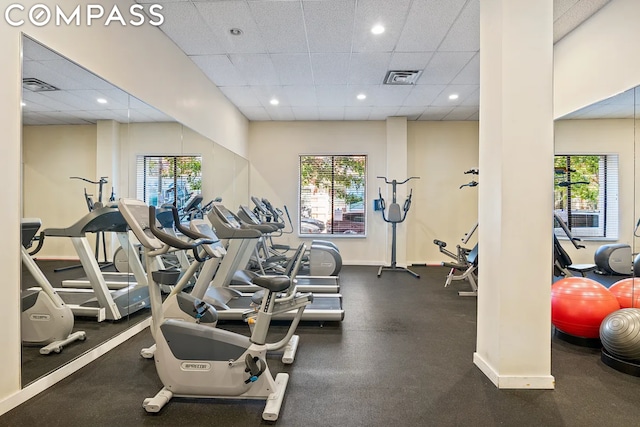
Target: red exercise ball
{"x":627,"y":292}
{"x":579,"y":304}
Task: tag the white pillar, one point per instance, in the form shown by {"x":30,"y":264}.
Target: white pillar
{"x":397,"y":169}
{"x":516,"y":194}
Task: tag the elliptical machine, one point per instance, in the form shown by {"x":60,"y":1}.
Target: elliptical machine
{"x":195,"y":360}
{"x":46,"y":320}
{"x":394,"y":217}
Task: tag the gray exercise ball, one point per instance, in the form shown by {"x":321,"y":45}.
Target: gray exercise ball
{"x":620,"y":333}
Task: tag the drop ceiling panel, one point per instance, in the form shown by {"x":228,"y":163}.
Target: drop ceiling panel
{"x":35,"y":51}
{"x":368,"y":68}
{"x":393,"y":95}
{"x":329,"y":25}
{"x":574,"y":16}
{"x":435,"y":113}
{"x":411,"y":113}
{"x":241,"y":96}
{"x":357,"y":113}
{"x":463,"y":91}
{"x":330,"y":68}
{"x":331,"y":113}
{"x":329,"y":96}
{"x":281,"y":24}
{"x":370,"y":91}
{"x":256,"y":113}
{"x":301,"y":96}
{"x":470,"y":74}
{"x":427,"y":24}
{"x":423,"y":95}
{"x":221,"y":16}
{"x":444,"y":67}
{"x":464,"y":35}
{"x":410,"y":60}
{"x":266,"y":93}
{"x":383,"y":113}
{"x":43,"y":71}
{"x":257,"y":69}
{"x":280,"y":113}
{"x":306,"y":113}
{"x":186,"y":27}
{"x":390,"y":14}
{"x":220,"y":70}
{"x":460,"y":113}
{"x":293,"y":69}
{"x":473,"y":100}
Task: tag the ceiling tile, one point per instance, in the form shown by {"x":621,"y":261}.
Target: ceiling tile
{"x":391,"y":14}
{"x":222,"y":16}
{"x":186,"y":27}
{"x":382,"y":113}
{"x":461,"y":113}
{"x":357,"y":113}
{"x":427,"y":24}
{"x":574,"y":16}
{"x":281,"y":24}
{"x":464,"y":35}
{"x":475,"y":116}
{"x":266,"y":93}
{"x":470,"y":74}
{"x":330,"y":68}
{"x":329,"y":24}
{"x":331,"y":96}
{"x":35,"y":51}
{"x":561,"y":6}
{"x":255,"y":113}
{"x":301,"y":96}
{"x":393,"y":95}
{"x":280,"y":113}
{"x":411,"y":113}
{"x":220,"y":70}
{"x":444,"y":67}
{"x":306,"y":113}
{"x":241,"y":96}
{"x":473,"y":99}
{"x":331,"y":113}
{"x":370,"y":91}
{"x":435,"y":113}
{"x":293,"y":69}
{"x":463,"y":91}
{"x":257,"y":69}
{"x":423,"y":95}
{"x":368,"y":68}
{"x":410,"y":60}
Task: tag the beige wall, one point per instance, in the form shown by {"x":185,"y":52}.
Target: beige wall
{"x":437,"y":152}
{"x":52,"y":154}
{"x":440,"y":153}
{"x":274,"y":152}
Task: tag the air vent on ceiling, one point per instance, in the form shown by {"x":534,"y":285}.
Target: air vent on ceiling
{"x":36,"y":85}
{"x":402,"y":77}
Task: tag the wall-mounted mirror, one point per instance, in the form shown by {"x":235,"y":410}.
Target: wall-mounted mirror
{"x":86,"y":142}
{"x":74,"y":125}
{"x":596,"y":199}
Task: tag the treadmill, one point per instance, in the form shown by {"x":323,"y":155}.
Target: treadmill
{"x":99,"y":301}
{"x":305,"y":282}
{"x":242,"y":239}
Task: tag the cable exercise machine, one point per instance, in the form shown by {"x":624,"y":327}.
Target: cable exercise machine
{"x":395,"y":216}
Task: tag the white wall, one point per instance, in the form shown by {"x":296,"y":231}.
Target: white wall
{"x":598,"y":59}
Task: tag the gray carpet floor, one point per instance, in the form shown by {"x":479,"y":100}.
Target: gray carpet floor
{"x":402,"y":357}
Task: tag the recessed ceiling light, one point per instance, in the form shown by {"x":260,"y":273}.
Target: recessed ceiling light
{"x":361,"y":96}
{"x":101,"y":101}
{"x":453,"y":96}
{"x":23,"y":104}
{"x":274,"y":101}
{"x":235,"y":32}
{"x":377,"y":29}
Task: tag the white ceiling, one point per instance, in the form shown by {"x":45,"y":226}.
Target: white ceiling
{"x":314,"y":56}
{"x":625,"y":105}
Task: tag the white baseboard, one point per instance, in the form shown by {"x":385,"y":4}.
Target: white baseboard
{"x":541,"y":382}
{"x":47,"y":381}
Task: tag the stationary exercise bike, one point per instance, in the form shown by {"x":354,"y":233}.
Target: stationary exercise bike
{"x":195,"y":360}
{"x":46,"y":320}
{"x":394,"y":217}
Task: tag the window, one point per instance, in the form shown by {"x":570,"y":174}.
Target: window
{"x":332,"y":195}
{"x":168,"y":179}
{"x":586,"y":194}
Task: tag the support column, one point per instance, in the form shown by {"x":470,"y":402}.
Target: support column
{"x":397,"y":169}
{"x":516,"y":195}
